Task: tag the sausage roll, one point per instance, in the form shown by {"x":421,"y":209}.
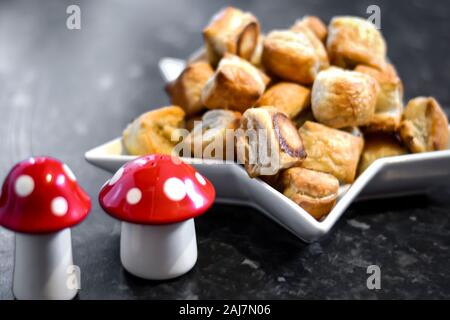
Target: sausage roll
{"x":314,"y":191}
{"x":236,"y":85}
{"x":267,"y":141}
{"x":379,"y":145}
{"x":352,"y":41}
{"x":232,"y":31}
{"x":294,"y":56}
{"x":186,"y":90}
{"x":389,"y":106}
{"x":314,"y":24}
{"x":215,"y":133}
{"x":154,"y":131}
{"x":424,"y":126}
{"x":287,"y":97}
{"x":342,"y":98}
{"x":332,"y":151}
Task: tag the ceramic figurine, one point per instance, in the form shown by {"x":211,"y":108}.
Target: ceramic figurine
{"x":40,"y":201}
{"x":157,"y":198}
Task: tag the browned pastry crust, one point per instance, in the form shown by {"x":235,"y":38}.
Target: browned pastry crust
{"x":287,"y":97}
{"x":267,"y":142}
{"x":352,"y":41}
{"x":424,"y":126}
{"x":211,"y":138}
{"x":294,"y":56}
{"x":332,"y":151}
{"x":342,"y":98}
{"x":379,"y":145}
{"x":389,"y":106}
{"x":231,"y":30}
{"x":314,"y":24}
{"x":186,"y":90}
{"x":236,"y":85}
{"x":153,"y":132}
{"x":314,"y":191}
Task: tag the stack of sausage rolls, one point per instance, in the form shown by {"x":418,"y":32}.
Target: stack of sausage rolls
{"x":327,"y":97}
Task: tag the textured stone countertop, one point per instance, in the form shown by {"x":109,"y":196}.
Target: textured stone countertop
{"x":63,"y":92}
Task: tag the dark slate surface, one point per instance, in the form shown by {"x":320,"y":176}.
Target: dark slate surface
{"x":63,"y":92}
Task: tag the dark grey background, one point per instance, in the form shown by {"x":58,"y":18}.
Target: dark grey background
{"x":63,"y":92}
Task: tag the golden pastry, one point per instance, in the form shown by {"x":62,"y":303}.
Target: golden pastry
{"x":314,"y":191}
{"x":154,"y":131}
{"x":287,"y":97}
{"x":294,"y":56}
{"x":389,"y":106}
{"x":332,"y":151}
{"x":186,"y":90}
{"x":424,"y":126}
{"x":213,"y":138}
{"x":267,"y":142}
{"x":342,"y":98}
{"x":231,"y":30}
{"x":314,"y":24}
{"x":236,"y":85}
{"x":379,"y":145}
{"x":352,"y":41}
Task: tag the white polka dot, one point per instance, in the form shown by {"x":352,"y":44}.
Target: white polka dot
{"x":59,"y":206}
{"x":116,"y":176}
{"x":69,"y":172}
{"x":24,"y":185}
{"x":174,"y":189}
{"x":200,"y":178}
{"x":134,"y":195}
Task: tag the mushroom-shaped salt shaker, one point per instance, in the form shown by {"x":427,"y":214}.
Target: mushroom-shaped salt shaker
{"x":157,"y":198}
{"x":40,"y":201}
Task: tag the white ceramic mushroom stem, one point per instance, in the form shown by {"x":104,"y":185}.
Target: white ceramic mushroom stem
{"x":158,"y":252}
{"x":43,"y":266}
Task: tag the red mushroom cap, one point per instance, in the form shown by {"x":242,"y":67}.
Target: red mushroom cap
{"x":156,"y":189}
{"x":41,"y":195}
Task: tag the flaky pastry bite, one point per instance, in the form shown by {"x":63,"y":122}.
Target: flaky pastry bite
{"x":154,"y":131}
{"x":267,"y":141}
{"x":294,"y":56}
{"x":342,"y":98}
{"x":331,"y":151}
{"x":231,"y":30}
{"x":352,"y":41}
{"x":287,"y":97}
{"x":214,"y":135}
{"x":424,"y":125}
{"x":236,"y":85}
{"x":186,"y":90}
{"x":379,"y":145}
{"x":389,"y":106}
{"x":314,"y":24}
{"x":316,"y":192}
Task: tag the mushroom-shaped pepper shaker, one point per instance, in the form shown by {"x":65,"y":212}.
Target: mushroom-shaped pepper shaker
{"x":157,"y":198}
{"x":40,"y":201}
